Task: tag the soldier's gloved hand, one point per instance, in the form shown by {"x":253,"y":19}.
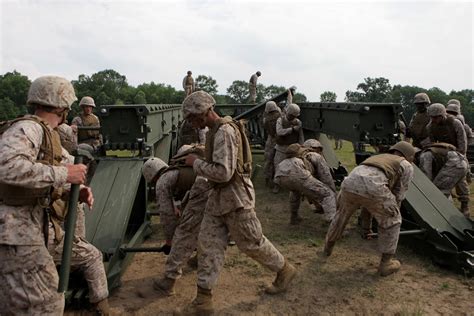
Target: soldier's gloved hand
{"x":296,"y":128}
{"x":86,"y":196}
{"x":76,"y":174}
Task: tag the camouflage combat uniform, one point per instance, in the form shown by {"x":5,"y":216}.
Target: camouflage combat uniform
{"x":188,"y":84}
{"x":417,"y":128}
{"x":313,"y":181}
{"x":165,"y":187}
{"x":68,"y":137}
{"x":28,"y":275}
{"x":453,"y":173}
{"x":85,"y":256}
{"x":253,"y":88}
{"x":269,"y":123}
{"x":230,"y":209}
{"x":92,"y":138}
{"x":380,"y":193}
{"x":186,"y":233}
{"x":285,"y":137}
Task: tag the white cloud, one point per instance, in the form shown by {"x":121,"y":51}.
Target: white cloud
{"x":316,"y":46}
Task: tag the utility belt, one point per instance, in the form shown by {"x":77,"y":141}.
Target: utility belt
{"x":235,"y":177}
{"x":17,"y":196}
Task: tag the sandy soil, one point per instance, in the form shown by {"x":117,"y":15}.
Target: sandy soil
{"x":344,"y":284}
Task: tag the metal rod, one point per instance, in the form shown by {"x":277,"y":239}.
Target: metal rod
{"x":141,"y":249}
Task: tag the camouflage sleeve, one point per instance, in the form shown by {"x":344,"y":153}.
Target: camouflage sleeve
{"x":461,"y":137}
{"x":401,"y":186}
{"x":77,"y":121}
{"x":323,"y":172}
{"x":20,"y":147}
{"x":164,"y":191}
{"x":301,"y":135}
{"x":280,"y":131}
{"x":224,"y":157}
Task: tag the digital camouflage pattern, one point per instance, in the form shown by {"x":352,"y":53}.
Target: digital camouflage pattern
{"x":68,"y":137}
{"x":253,"y":88}
{"x":230,"y":209}
{"x":27,"y":271}
{"x":92,"y":138}
{"x":368,"y":187}
{"x":165,"y":187}
{"x":186,"y":234}
{"x":453,"y":133}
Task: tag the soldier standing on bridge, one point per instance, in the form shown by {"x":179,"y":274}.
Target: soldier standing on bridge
{"x":87,"y":119}
{"x":444,"y":162}
{"x":31,"y":177}
{"x":379,"y":185}
{"x":231,"y":204}
{"x":417,"y":127}
{"x":253,"y":86}
{"x":188,"y":83}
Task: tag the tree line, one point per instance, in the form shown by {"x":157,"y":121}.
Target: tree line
{"x":110,"y":87}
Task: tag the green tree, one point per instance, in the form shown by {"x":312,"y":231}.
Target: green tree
{"x":328,"y":96}
{"x":8,"y":109}
{"x":299,"y":97}
{"x":371,"y":90}
{"x":238,"y":91}
{"x":207,"y":84}
{"x":273,"y":90}
{"x":13,"y":93}
{"x":140,"y":97}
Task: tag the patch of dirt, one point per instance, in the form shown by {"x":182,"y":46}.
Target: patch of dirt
{"x":345,"y":283}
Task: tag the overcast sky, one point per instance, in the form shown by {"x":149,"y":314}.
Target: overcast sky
{"x":316,"y":46}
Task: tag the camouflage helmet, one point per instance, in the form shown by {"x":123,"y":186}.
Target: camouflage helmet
{"x":293,"y":109}
{"x":436,"y":109}
{"x":53,"y":91}
{"x":198,"y":102}
{"x":258,"y":73}
{"x":454,"y":101}
{"x":189,"y":72}
{"x":312,"y":143}
{"x":421,"y":98}
{"x":453,"y":107}
{"x":271,"y":106}
{"x":87,"y":101}
{"x":151,"y":168}
{"x":405,"y":148}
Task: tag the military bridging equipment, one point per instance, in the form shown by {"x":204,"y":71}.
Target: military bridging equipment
{"x":133,"y":133}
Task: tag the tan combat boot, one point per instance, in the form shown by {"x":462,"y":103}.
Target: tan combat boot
{"x":283,"y":279}
{"x":101,"y":307}
{"x":388,"y":265}
{"x":164,"y":285}
{"x":465,"y":208}
{"x":201,"y":305}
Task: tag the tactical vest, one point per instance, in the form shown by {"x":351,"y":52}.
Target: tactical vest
{"x":189,"y":81}
{"x":388,"y":163}
{"x":270,"y":122}
{"x":188,"y":134}
{"x":244,"y":155}
{"x":444,"y":132}
{"x":302,"y":153}
{"x":440,"y":155}
{"x":49,"y":154}
{"x":92,"y":121}
{"x":418,"y":128}
{"x":290,"y":138}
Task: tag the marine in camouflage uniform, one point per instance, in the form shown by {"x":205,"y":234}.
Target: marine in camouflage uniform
{"x":88,"y":119}
{"x":305,"y":172}
{"x":270,"y":116}
{"x":85,"y":256}
{"x":29,"y":169}
{"x":379,"y":185}
{"x":444,"y":162}
{"x":417,"y":127}
{"x":253,"y":86}
{"x":188,"y":84}
{"x":289,"y":131}
{"x":231,"y":204}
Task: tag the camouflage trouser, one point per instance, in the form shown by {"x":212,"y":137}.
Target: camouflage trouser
{"x":169,"y":221}
{"x":86,"y":258}
{"x":453,"y":171}
{"x":269,"y":167}
{"x":81,"y":221}
{"x":253,"y":93}
{"x":314,"y":190}
{"x":188,"y":90}
{"x":385,"y":210}
{"x":29,"y":282}
{"x":462,"y":190}
{"x":244,"y":227}
{"x":186,"y":234}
